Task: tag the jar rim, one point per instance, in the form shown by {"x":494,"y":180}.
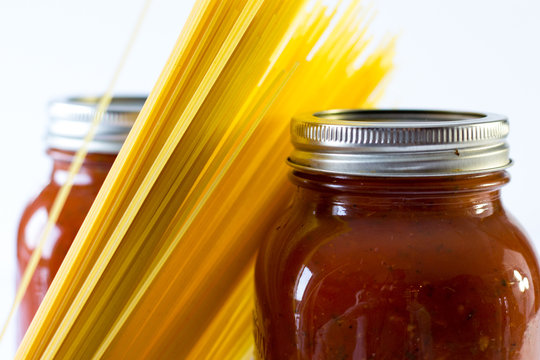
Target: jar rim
{"x":399,"y":143}
{"x":70,"y":121}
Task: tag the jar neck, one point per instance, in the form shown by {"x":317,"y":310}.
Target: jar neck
{"x":476,"y":195}
{"x":94,"y":168}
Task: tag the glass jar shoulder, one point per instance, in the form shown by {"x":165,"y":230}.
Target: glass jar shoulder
{"x":406,"y":236}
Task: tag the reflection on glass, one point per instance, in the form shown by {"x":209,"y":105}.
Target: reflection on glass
{"x":522,"y":281}
{"x":302,"y":283}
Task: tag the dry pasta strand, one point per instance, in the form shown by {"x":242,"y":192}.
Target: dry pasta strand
{"x":163,"y":264}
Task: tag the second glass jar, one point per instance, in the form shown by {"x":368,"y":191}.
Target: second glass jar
{"x":69,"y":122}
{"x":397,"y":245}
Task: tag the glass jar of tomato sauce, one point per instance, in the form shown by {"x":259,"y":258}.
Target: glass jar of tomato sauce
{"x":69,"y":123}
{"x":397,"y":245}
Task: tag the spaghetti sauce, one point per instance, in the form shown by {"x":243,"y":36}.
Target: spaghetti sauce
{"x":69,"y":123}
{"x":409,"y":262}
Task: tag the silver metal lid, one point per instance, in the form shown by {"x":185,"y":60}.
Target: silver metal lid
{"x":399,"y":143}
{"x":70,"y":120}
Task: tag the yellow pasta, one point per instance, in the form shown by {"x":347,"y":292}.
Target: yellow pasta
{"x":162,"y":266}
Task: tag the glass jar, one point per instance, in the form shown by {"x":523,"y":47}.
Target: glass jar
{"x":397,"y":245}
{"x":69,"y":123}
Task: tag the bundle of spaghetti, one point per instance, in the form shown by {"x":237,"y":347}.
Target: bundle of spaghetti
{"x":162,"y":266}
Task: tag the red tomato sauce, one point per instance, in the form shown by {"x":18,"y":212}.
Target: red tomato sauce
{"x":86,"y":186}
{"x":397,"y":268}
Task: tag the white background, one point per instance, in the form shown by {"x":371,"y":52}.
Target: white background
{"x":475,"y":55}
